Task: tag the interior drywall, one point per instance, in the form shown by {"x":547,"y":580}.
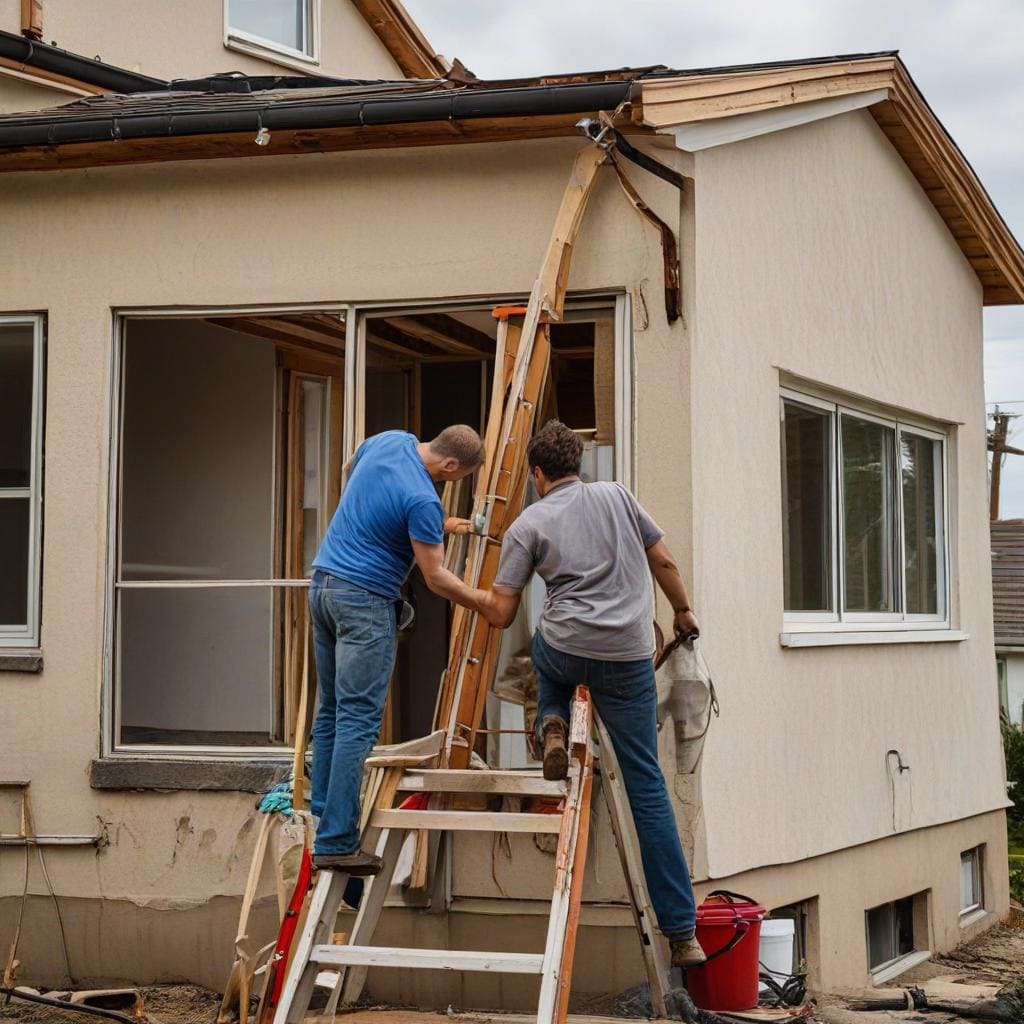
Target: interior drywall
{"x":185,"y":39}
{"x":819,"y":255}
{"x":197,"y":503}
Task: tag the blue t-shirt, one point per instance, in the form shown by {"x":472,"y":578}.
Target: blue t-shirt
{"x":389,"y":498}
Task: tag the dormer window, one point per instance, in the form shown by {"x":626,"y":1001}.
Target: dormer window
{"x":284,"y":27}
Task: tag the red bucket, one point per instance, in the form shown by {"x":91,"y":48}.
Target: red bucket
{"x":729,"y":930}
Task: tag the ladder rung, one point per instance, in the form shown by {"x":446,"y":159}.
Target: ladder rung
{"x":431,"y":959}
{"x":450,"y":780}
{"x":467,"y":821}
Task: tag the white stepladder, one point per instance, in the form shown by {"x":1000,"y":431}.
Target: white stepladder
{"x":388,"y":828}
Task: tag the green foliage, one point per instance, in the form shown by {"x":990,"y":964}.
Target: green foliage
{"x":1017,"y":881}
{"x":1013,"y":746}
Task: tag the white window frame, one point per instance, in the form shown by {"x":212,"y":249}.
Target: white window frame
{"x":353,"y":415}
{"x":838,"y":620}
{"x":259,"y":46}
{"x":975,"y":853}
{"x":27,"y":634}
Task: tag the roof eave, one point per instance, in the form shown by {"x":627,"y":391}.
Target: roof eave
{"x":905,"y":117}
{"x":403,"y":38}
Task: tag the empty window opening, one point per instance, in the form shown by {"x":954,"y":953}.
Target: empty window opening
{"x":230,"y":443}
{"x":971,"y":894}
{"x":20,"y":478}
{"x":428,"y":370}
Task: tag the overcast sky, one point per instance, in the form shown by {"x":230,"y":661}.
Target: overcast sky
{"x":966,"y":57}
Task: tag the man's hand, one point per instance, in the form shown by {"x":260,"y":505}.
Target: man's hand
{"x":454,"y":525}
{"x":686,"y":625}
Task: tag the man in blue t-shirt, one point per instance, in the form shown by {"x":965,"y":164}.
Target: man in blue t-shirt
{"x":389,"y":516}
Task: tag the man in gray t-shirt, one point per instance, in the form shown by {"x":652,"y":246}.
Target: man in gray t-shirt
{"x":596,"y":548}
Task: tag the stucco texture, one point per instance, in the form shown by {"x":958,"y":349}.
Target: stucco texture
{"x":818,"y":254}
{"x":134,"y":34}
{"x":17,"y":94}
{"x":814,"y":251}
{"x":370,"y":226}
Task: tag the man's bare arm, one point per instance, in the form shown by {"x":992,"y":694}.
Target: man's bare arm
{"x":669,"y":578}
{"x":430,"y":559}
{"x":499,"y":606}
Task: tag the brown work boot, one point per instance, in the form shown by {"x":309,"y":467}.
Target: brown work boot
{"x":686,"y":953}
{"x":554,"y":733}
{"x":356,"y":864}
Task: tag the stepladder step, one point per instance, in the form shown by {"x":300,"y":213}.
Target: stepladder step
{"x":467,"y":821}
{"x":428,"y":959}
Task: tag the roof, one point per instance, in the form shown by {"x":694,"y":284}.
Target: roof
{"x":1008,"y":581}
{"x":221,"y":116}
{"x":388,"y":19}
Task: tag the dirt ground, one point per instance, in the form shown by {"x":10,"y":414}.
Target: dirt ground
{"x":993,"y":961}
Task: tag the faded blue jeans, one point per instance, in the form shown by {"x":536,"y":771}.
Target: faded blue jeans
{"x":626,"y":698}
{"x":354,"y":633}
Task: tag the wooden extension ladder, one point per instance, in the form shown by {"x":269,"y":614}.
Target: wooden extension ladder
{"x":342,"y":967}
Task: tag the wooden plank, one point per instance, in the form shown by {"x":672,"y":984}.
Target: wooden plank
{"x":286,"y":142}
{"x":32,"y":18}
{"x":451,"y":780}
{"x":467,"y":821}
{"x":428,"y":959}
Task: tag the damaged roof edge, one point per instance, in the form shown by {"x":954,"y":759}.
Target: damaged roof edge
{"x":30,"y":54}
{"x":297,"y":115}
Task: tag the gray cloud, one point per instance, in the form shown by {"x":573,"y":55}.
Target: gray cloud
{"x":965,"y":57}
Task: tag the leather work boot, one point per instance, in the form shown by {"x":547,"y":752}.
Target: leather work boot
{"x":356,"y":864}
{"x":686,"y":953}
{"x":554,"y":734}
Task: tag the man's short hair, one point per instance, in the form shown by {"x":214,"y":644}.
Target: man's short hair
{"x":461,"y":443}
{"x":556,"y":450}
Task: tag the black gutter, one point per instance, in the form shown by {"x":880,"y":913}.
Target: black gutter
{"x":33,"y":54}
{"x":313,"y":113}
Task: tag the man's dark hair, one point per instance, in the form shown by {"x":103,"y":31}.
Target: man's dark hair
{"x":556,"y":450}
{"x":461,"y":443}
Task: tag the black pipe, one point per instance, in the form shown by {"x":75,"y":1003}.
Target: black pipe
{"x":62,"y":1004}
{"x":34,"y":54}
{"x":183,"y":117}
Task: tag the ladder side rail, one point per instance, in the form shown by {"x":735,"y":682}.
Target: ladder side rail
{"x":624,"y":831}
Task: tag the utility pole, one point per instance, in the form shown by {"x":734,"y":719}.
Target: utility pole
{"x":998,"y":447}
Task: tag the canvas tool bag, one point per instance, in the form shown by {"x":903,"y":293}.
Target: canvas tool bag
{"x":687,"y":695}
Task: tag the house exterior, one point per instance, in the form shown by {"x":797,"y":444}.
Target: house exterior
{"x":1008,"y":605}
{"x":212,"y":292}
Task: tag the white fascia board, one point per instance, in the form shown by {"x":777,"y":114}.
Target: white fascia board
{"x":720,"y":131}
{"x":44,"y":83}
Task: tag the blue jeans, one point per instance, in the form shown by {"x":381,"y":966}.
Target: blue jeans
{"x":626,"y":698}
{"x":354,"y":633}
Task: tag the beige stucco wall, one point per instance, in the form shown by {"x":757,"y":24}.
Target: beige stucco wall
{"x":185,"y":39}
{"x":819,"y":254}
{"x":814,"y":251}
{"x":18,"y":94}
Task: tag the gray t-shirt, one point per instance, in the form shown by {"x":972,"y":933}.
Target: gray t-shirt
{"x":588,"y":542}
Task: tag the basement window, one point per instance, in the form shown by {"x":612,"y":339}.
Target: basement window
{"x":971,"y":895}
{"x":229,"y":458}
{"x":284,"y":27}
{"x":864,"y":519}
{"x":21,"y":436}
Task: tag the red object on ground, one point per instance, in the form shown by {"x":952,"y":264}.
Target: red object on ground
{"x":729,"y":930}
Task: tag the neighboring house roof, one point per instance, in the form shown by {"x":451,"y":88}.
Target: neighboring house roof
{"x":701,"y":107}
{"x":1008,"y":581}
